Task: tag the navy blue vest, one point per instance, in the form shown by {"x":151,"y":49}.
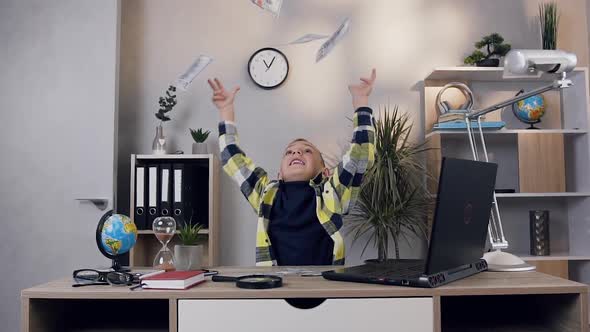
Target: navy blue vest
{"x":295,"y":232}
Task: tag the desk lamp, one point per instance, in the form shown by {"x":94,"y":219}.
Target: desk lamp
{"x":517,"y":64}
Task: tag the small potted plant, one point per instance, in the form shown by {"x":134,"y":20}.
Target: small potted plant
{"x":166,"y":103}
{"x":189,"y":254}
{"x":495,"y":48}
{"x":200,"y":136}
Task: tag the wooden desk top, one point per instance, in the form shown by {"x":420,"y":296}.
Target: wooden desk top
{"x":486,"y":283}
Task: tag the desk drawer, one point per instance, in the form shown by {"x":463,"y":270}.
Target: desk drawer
{"x":261,"y":315}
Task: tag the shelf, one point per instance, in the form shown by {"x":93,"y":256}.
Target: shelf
{"x":174,"y":156}
{"x":542,"y":195}
{"x":558,"y":256}
{"x":490,"y":74}
{"x":510,"y":132}
{"x":147,"y":231}
{"x":536,"y":195}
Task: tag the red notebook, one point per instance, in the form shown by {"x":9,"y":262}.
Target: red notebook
{"x":174,"y":280}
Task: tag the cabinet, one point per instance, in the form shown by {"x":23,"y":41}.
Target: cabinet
{"x":206,"y":207}
{"x":548,"y":168}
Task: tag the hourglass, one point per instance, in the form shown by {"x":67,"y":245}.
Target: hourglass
{"x":164,"y":228}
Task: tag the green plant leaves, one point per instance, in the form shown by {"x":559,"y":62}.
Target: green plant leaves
{"x":494,"y":45}
{"x":199,"y":136}
{"x":166,"y":104}
{"x":162,"y":117}
{"x":549,"y":23}
{"x":393,"y":200}
{"x":189,"y":235}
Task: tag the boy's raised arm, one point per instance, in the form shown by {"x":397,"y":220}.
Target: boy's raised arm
{"x":251,"y":179}
{"x":346,"y":178}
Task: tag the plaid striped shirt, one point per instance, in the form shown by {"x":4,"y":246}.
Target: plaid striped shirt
{"x":335,"y":195}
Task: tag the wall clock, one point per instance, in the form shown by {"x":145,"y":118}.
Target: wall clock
{"x":268,"y":68}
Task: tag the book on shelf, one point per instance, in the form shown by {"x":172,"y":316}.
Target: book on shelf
{"x":453,"y":116}
{"x":173,"y":280}
{"x":458,"y":125}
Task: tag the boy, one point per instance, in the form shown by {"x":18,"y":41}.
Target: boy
{"x":300,"y":215}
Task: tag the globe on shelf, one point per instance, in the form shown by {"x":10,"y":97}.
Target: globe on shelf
{"x":529,"y":110}
{"x":115,"y":236}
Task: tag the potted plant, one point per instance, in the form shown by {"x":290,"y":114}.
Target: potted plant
{"x":393,"y":200}
{"x":167,"y":103}
{"x":189,"y":254}
{"x":549,"y":22}
{"x":200,"y":136}
{"x":495,"y":48}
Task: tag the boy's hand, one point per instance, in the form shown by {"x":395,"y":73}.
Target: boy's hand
{"x":360,"y":92}
{"x":223,"y":99}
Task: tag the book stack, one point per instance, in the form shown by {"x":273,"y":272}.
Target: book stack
{"x":456,"y":120}
{"x":451,"y":117}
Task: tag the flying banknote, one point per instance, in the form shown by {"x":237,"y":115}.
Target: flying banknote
{"x":273,"y":6}
{"x":307,"y":38}
{"x":189,"y":75}
{"x":336,"y":37}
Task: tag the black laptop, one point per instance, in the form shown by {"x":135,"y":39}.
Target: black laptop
{"x":458,"y":236}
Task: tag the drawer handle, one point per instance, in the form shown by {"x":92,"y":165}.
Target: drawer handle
{"x":305,"y":303}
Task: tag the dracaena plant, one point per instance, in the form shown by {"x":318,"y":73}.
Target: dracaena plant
{"x":393,"y":201}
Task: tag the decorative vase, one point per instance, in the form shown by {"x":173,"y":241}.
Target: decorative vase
{"x":159,"y":144}
{"x":188,"y":258}
{"x":539,"y":220}
{"x":200,"y":148}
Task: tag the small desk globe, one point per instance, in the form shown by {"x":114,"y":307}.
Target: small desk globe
{"x":115,"y":236}
{"x":529,"y":110}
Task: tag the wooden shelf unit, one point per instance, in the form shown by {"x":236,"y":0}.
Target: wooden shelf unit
{"x":510,"y":132}
{"x":548,"y":168}
{"x":146,"y":247}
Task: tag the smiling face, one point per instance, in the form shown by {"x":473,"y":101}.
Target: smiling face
{"x":302,"y":161}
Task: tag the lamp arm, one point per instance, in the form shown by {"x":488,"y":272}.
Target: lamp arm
{"x":511,"y":101}
{"x":495,"y":231}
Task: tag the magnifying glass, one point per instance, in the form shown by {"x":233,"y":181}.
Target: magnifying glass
{"x":254,"y":281}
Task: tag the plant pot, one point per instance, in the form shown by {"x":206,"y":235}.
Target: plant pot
{"x":200,"y":148}
{"x":488,"y":63}
{"x":188,"y":258}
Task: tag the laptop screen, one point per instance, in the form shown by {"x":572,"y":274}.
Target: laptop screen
{"x":462,"y":213}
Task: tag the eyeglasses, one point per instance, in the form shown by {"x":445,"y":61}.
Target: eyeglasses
{"x":87,"y":277}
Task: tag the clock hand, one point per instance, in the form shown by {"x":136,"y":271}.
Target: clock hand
{"x":266,"y":64}
{"x":273,"y":60}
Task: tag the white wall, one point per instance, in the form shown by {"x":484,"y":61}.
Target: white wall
{"x":404,"y":40}
{"x":58,"y":64}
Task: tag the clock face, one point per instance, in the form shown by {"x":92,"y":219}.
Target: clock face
{"x":268,"y":68}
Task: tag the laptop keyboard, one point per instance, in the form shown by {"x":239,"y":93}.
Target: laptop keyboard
{"x":401,"y":269}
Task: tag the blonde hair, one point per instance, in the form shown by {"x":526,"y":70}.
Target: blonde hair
{"x":310,"y":143}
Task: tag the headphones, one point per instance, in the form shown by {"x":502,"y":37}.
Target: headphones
{"x":444,"y":106}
